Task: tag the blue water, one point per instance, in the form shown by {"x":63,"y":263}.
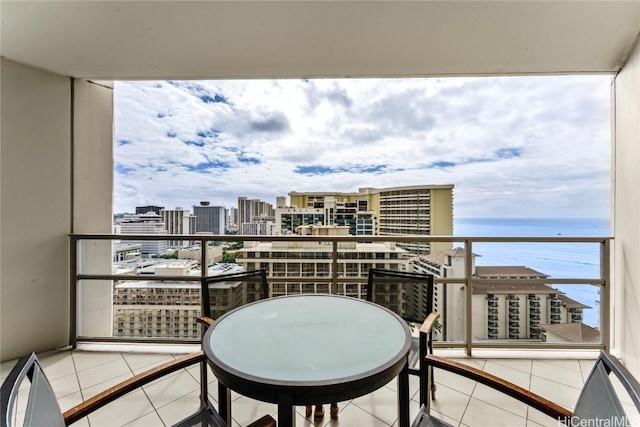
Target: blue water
{"x":558,"y":260}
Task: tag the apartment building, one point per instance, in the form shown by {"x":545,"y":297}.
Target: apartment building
{"x":396,"y":211}
{"x":210,"y":219}
{"x":147,"y":223}
{"x":262,"y":227}
{"x":252,"y":210}
{"x":178,"y":221}
{"x":169,"y":309}
{"x":500,"y":311}
{"x":304,"y":259}
{"x":151,"y":208}
{"x":288,"y":219}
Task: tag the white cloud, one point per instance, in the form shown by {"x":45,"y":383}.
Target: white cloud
{"x":512,"y":146}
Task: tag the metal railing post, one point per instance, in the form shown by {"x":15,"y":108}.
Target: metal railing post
{"x":334,"y":276}
{"x":605,"y":294}
{"x":468,"y":274}
{"x":73,"y":293}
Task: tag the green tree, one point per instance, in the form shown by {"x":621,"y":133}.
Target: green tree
{"x":173,"y":255}
{"x":228,"y":258}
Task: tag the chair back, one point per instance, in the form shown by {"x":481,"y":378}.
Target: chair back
{"x":600,"y":399}
{"x":41,"y":407}
{"x":225,"y":292}
{"x":410,"y":295}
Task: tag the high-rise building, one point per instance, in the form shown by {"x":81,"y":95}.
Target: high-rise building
{"x":232,"y":220}
{"x":169,"y":309}
{"x":144,"y":209}
{"x":210,"y":219}
{"x":178,"y":221}
{"x":283,"y":259}
{"x":396,"y":211}
{"x":500,"y":311}
{"x":287,"y":219}
{"x":253,"y":210}
{"x":147,"y":223}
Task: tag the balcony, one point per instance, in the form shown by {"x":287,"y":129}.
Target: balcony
{"x":79,"y":372}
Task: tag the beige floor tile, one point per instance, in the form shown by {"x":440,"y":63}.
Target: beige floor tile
{"x":444,"y":418}
{"x":471,"y":361}
{"x":89,"y":359}
{"x":180,"y":408}
{"x":57,"y":364}
{"x":65,"y":386}
{"x":531,"y":423}
{"x":302,"y":421}
{"x":89,"y":392}
{"x":69,"y":401}
{"x":103,"y":372}
{"x":244,"y":410}
{"x":557,"y":380}
{"x":541,"y":419}
{"x":352,"y":415}
{"x":561,"y":374}
{"x":382,"y":404}
{"x":499,"y":399}
{"x":414,"y":386}
{"x":140,"y":362}
{"x":450,"y":402}
{"x":194,"y":370}
{"x":522,"y":365}
{"x":559,"y":393}
{"x":515,"y":376}
{"x":572,"y":364}
{"x":150,"y":420}
{"x":454,"y":381}
{"x":585,"y":367}
{"x":166,"y":390}
{"x":84,"y":422}
{"x":481,"y":414}
{"x":122,"y":411}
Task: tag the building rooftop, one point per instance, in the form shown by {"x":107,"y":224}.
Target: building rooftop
{"x":574,"y":332}
{"x":512,"y":271}
{"x":505,"y":288}
{"x":570,"y":303}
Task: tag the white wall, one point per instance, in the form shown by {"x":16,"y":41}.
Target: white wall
{"x":626,"y":295}
{"x":92,"y":201}
{"x":35,"y":209}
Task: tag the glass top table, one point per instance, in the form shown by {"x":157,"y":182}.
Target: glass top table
{"x":308,"y":349}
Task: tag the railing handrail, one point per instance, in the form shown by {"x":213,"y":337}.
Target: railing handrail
{"x":468,"y":280}
{"x":349,"y":238}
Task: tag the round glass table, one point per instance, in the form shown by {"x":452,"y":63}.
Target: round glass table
{"x":308,"y":349}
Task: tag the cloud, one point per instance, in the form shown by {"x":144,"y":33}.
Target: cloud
{"x":512,"y":146}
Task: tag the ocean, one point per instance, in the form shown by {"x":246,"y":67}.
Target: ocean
{"x":558,"y":260}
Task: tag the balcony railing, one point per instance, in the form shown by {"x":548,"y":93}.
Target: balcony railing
{"x":93,"y":279}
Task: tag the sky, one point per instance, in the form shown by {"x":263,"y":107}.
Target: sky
{"x":513,"y":147}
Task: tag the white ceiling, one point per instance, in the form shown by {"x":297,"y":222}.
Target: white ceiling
{"x":252,"y":39}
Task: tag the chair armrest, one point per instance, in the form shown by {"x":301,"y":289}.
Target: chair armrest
{"x":204,"y":320}
{"x":540,"y":403}
{"x":109,"y":395}
{"x":428,"y":323}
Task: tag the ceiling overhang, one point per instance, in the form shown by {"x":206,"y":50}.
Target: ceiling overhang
{"x":285,"y":39}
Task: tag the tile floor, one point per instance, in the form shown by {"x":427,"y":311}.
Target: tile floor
{"x":79,"y":374}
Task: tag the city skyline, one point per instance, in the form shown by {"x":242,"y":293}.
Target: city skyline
{"x":511,"y":146}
